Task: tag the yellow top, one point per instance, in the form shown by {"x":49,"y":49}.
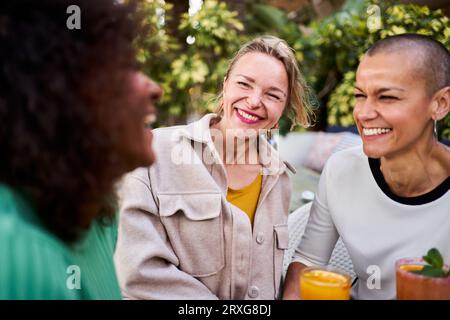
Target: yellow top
{"x":246,"y":198}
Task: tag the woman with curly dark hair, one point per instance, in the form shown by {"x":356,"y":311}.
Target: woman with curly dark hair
{"x":72,"y":113}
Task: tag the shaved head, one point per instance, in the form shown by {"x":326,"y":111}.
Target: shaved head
{"x":433,"y":58}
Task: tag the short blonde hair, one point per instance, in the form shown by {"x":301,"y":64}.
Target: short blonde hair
{"x":298,"y":107}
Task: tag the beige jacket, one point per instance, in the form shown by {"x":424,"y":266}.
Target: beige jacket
{"x":179,"y":238}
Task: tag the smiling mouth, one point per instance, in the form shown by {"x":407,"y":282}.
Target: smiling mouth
{"x":247,"y":117}
{"x":149,"y":120}
{"x":375,"y":131}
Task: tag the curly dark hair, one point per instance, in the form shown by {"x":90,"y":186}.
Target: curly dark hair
{"x":61,"y":101}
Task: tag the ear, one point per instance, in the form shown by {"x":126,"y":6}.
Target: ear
{"x":441,"y":106}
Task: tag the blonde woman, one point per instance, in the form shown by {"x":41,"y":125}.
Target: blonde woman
{"x":209,"y":219}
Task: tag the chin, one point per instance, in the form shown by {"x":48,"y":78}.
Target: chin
{"x":374,"y":153}
{"x":149,"y":153}
{"x":149,"y":161}
{"x":148,"y":158}
{"x":142,"y":152}
{"x":144,"y":159}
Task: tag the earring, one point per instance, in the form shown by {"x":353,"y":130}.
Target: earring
{"x":435,"y":128}
{"x":269,"y":134}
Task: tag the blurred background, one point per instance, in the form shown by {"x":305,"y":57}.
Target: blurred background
{"x":191,"y":42}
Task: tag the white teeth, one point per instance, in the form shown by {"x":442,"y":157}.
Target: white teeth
{"x":247,"y":116}
{"x":375,"y":131}
{"x":149,"y":119}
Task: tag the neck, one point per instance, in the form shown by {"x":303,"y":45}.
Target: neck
{"x":418,"y":170}
{"x":235,"y":149}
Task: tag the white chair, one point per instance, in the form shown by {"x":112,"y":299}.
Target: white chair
{"x":297,"y":222}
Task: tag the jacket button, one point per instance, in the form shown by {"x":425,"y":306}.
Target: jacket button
{"x":260,"y":238}
{"x":253,"y":292}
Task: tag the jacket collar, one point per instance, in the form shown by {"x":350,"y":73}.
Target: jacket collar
{"x":198,"y":131}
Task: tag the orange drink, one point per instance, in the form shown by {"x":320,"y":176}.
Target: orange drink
{"x":324,"y":283}
{"x":412,"y":286}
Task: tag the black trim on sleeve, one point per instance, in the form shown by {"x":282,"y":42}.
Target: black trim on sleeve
{"x":428,"y":197}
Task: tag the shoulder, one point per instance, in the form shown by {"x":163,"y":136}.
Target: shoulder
{"x":347,"y":159}
{"x":134,"y":186}
{"x":167,"y":143}
{"x":350,"y":154}
{"x":347,"y":167}
{"x":169,"y":134}
{"x":33,"y":261}
{"x":19,"y":220}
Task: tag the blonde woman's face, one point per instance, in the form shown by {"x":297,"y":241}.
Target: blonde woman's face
{"x":255,"y":93}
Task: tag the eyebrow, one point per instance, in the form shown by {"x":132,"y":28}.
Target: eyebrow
{"x":381,"y":90}
{"x":253,"y":81}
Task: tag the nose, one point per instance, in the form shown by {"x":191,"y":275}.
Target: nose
{"x":365,"y":111}
{"x":254,"y":99}
{"x":155,"y":90}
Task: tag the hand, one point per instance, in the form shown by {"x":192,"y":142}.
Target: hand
{"x":292,"y":281}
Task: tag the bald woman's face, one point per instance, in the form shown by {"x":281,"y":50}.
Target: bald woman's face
{"x":393,"y":105}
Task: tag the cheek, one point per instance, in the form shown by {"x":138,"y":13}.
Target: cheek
{"x":226,"y":102}
{"x":400,"y":119}
{"x":275,"y":113}
{"x":356,"y":112}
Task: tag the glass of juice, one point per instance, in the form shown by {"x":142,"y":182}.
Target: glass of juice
{"x":412,"y":286}
{"x":324,"y":283}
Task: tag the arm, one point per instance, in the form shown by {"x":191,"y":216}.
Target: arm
{"x":145,"y":261}
{"x":292,"y":282}
{"x":317,"y":243}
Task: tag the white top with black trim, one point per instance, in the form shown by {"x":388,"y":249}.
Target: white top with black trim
{"x":377,"y":226}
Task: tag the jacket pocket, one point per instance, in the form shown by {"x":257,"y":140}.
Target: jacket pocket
{"x":195,"y":229}
{"x":281,"y":243}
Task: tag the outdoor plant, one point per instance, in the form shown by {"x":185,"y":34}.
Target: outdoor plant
{"x":342,"y":39}
{"x":191,"y":66}
{"x":435,"y":266}
{"x":191,"y":71}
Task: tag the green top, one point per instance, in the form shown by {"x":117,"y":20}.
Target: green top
{"x":35,"y":264}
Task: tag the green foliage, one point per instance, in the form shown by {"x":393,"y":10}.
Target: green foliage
{"x":190,"y":74}
{"x":342,"y":101}
{"x":328,"y":51}
{"x":337,"y":44}
{"x":435,"y":265}
{"x":265,"y":19}
{"x":444,"y":128}
{"x":202,"y":68}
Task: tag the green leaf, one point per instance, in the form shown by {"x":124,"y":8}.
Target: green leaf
{"x":431,"y":272}
{"x":434,"y":258}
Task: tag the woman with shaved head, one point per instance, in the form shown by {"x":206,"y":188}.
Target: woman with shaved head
{"x":389,"y":199}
